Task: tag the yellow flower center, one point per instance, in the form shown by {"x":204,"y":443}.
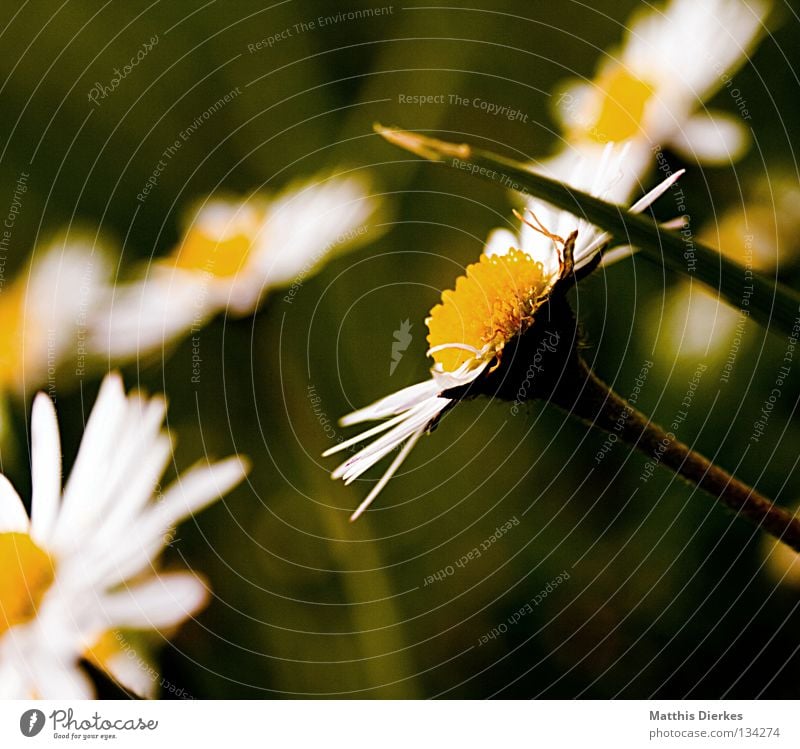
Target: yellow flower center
{"x":491,"y":304}
{"x":12,"y":309}
{"x":27,"y":573}
{"x":623,"y":99}
{"x":219,"y":256}
{"x":748,"y":238}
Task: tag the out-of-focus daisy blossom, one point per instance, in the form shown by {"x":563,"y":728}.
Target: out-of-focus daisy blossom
{"x":695,"y":323}
{"x":761,"y":234}
{"x":673,"y":58}
{"x":233,"y":252}
{"x":493,"y":302}
{"x":781,"y":562}
{"x":46,"y":312}
{"x":763,"y":231}
{"x":81,"y":568}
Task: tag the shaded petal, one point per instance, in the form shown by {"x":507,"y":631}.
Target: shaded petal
{"x":132,"y":672}
{"x":500,"y":241}
{"x":616,"y":254}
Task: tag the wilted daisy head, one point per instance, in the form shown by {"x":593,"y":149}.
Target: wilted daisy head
{"x":81,"y":572}
{"x":514,"y":296}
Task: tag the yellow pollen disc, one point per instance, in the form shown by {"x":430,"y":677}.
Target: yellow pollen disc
{"x":491,"y":304}
{"x":27,"y":573}
{"x":623,"y":98}
{"x":218,"y":256}
{"x":12,"y":309}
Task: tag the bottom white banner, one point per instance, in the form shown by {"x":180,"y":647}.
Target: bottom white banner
{"x":387,"y":724}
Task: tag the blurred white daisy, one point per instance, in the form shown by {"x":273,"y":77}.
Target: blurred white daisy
{"x":762,"y":232}
{"x":781,"y":563}
{"x":82,"y":567}
{"x":46,"y":312}
{"x":493,"y":302}
{"x":233,"y":252}
{"x":761,"y":235}
{"x":695,"y":324}
{"x":652,"y":88}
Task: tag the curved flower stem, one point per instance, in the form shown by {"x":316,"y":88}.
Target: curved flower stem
{"x":773,"y":305}
{"x":597,"y":404}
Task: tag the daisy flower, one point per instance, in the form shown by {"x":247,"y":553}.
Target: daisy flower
{"x":233,"y":251}
{"x":694,"y":324}
{"x":762,"y":231}
{"x":81,"y":569}
{"x":781,"y":563}
{"x":46,"y":312}
{"x":760,"y":234}
{"x":493,"y":303}
{"x":673,"y":58}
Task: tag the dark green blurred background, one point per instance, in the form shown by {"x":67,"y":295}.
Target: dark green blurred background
{"x":666,"y":596}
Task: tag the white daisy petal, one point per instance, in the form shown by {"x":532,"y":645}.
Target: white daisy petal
{"x":393,"y":404}
{"x":133,"y":555}
{"x":390,"y":471}
{"x":99,"y":441}
{"x":418,"y":417}
{"x":654,"y":194}
{"x":59,"y":288}
{"x":162,"y":601}
{"x":45,"y":468}
{"x":13,"y":518}
{"x":134,"y":494}
{"x":500,"y":241}
{"x":193,"y":491}
{"x":197,"y":488}
{"x":130,"y":670}
{"x":144,"y":317}
{"x":310,"y":221}
{"x":14,"y":681}
{"x":712,"y":138}
{"x":365,"y":436}
{"x":569,"y":102}
{"x":615,"y":255}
